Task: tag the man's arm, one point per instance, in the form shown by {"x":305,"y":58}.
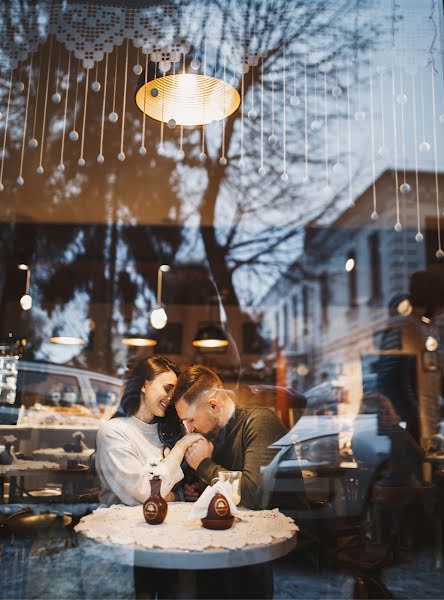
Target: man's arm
{"x":262,"y":428}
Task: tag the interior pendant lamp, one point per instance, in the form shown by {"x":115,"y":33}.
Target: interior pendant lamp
{"x":139,"y":341}
{"x":26,"y":299}
{"x":210,"y":335}
{"x":185,"y":94}
{"x":66,"y":340}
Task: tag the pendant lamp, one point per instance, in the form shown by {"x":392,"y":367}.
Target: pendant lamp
{"x":210,"y":335}
{"x":187,"y":96}
{"x":139,"y":341}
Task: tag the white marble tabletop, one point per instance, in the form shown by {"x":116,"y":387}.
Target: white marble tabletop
{"x":255,"y":537}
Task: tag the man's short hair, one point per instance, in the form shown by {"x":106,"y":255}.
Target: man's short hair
{"x":193,"y":381}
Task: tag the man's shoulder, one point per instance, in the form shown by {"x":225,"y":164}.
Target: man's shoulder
{"x":259,"y":416}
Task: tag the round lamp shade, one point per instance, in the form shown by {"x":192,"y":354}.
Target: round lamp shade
{"x":139,"y":342}
{"x":188,"y":99}
{"x":210,"y":336}
{"x":67,"y":340}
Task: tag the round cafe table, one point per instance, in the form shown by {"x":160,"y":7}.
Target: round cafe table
{"x":255,"y":537}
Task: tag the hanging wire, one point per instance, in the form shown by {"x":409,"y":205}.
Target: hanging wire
{"x":223,"y":160}
{"x":121,"y":155}
{"x":161,"y":148}
{"x":398,"y":226}
{"x":25,"y":124}
{"x":100,"y":157}
{"x":374,"y":214}
{"x":241,"y":162}
{"x":424,"y":146}
{"x":405,"y":186}
{"x":262,"y":168}
{"x":113,"y":112}
{"x":40,"y":167}
{"x":81,"y":161}
{"x":305,"y":120}
{"x":439,"y":252}
{"x":5,"y":132}
{"x":142,"y":149}
{"x":74,"y":136}
{"x":284,"y":175}
{"x":350,"y":182}
{"x":381,"y":90}
{"x":418,"y":237}
{"x":33,"y":141}
{"x":62,"y":149}
{"x":202,"y":152}
{"x":327,"y":187}
{"x":337,"y":122}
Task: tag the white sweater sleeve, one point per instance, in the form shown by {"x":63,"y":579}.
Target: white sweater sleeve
{"x":121,"y":470}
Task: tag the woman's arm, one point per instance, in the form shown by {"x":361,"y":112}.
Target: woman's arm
{"x":121,"y":470}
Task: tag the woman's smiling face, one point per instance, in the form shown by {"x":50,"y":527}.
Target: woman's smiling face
{"x":156,"y":393}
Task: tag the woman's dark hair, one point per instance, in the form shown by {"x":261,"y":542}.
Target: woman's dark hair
{"x":146,"y":369}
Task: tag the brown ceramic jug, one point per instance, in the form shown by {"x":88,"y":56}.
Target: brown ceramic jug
{"x":219,"y":515}
{"x":155,"y":508}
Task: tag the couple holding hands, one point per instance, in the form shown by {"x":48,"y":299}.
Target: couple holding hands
{"x":146,"y":436}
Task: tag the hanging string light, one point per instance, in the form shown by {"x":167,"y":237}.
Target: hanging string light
{"x":424,"y":146}
{"x":272,"y":140}
{"x":350,"y":182}
{"x":439,"y":252}
{"x":306,"y":177}
{"x":113,"y":116}
{"x":381,"y":149}
{"x":20,"y":180}
{"x":336,"y":93}
{"x":374,"y":215}
{"x":327,"y":188}
{"x":242,"y":161}
{"x":252,"y":113}
{"x":62,"y":148}
{"x":284,"y":175}
{"x":81,"y":161}
{"x":95,"y":85}
{"x":261,"y":169}
{"x":398,"y":226}
{"x":121,"y":155}
{"x":33,"y":142}
{"x":40,"y":168}
{"x":401,"y":99}
{"x":73,"y":134}
{"x":294,"y":100}
{"x":223,"y":159}
{"x":56,"y":98}
{"x":418,"y":237}
{"x":5,"y":132}
{"x":100,"y":157}
{"x":142,"y":149}
{"x":316,"y":124}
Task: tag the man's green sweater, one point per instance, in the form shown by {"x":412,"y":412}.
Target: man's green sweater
{"x":244,"y":446}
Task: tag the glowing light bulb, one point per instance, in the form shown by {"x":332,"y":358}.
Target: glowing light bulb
{"x":350,"y":265}
{"x":158,"y":318}
{"x":431,"y":344}
{"x":26,"y":302}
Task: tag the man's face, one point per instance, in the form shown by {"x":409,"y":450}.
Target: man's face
{"x":202,"y":416}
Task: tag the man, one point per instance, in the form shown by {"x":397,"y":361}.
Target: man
{"x":238,"y":439}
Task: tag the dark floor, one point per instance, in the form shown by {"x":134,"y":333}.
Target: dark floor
{"x":52,"y":567}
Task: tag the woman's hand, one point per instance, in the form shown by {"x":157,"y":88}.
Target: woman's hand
{"x":183,"y":444}
{"x":188,"y":440}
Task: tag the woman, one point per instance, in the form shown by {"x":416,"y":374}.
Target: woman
{"x":129,"y":446}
